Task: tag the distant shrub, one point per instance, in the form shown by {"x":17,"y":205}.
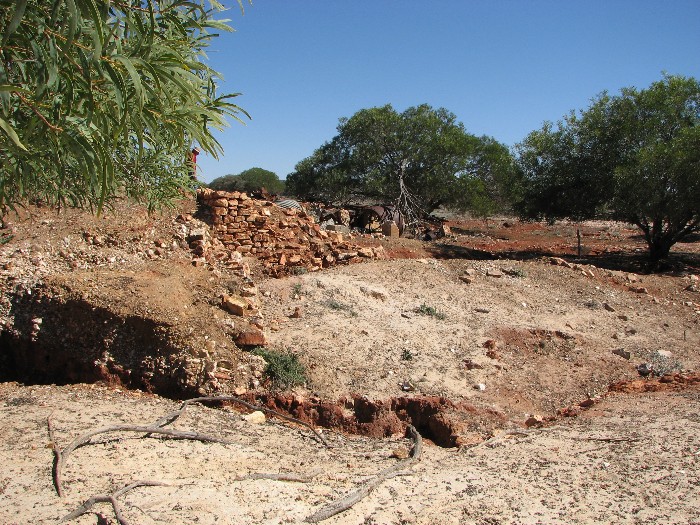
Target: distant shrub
{"x":515,"y":272}
{"x":424,"y":309}
{"x":333,"y":304}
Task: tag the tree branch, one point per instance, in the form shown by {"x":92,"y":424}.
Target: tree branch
{"x":111,"y":499}
{"x":55,"y":469}
{"x":169,"y":418}
{"x":348,"y":501}
{"x":147,"y":429}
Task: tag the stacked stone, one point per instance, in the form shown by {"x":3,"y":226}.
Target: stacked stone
{"x":285,"y":240}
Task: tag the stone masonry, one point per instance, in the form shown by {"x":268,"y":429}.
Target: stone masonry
{"x":286,"y":241}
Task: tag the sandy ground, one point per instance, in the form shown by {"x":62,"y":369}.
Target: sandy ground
{"x":627,"y":460}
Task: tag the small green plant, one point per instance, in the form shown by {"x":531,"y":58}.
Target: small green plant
{"x":299,"y":270}
{"x":515,"y":272}
{"x":592,"y":304}
{"x":334,"y":304}
{"x":4,"y":239}
{"x":283,"y":367}
{"x":424,"y":309}
{"x":406,"y":355}
{"x":662,"y":365}
{"x":297,"y":289}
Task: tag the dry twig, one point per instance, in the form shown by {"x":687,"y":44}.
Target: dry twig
{"x":61,"y":456}
{"x":606,"y":439}
{"x":111,"y":499}
{"x":55,"y":470}
{"x":348,"y":501}
{"x":169,"y":418}
{"x":148,"y":429}
{"x":282,"y":476}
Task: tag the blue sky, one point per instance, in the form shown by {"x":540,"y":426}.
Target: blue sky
{"x":502,"y":66}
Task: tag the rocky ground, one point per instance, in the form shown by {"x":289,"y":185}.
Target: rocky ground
{"x":497,"y":341}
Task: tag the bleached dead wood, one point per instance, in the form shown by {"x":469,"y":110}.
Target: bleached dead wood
{"x":112,"y":499}
{"x":348,"y":501}
{"x":146,"y":429}
{"x":157,"y":427}
{"x":55,"y":470}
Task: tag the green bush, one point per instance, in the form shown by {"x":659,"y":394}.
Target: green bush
{"x":424,"y":309}
{"x":283,"y":367}
{"x":333,"y":304}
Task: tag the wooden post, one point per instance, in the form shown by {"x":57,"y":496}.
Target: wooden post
{"x":578,"y":235}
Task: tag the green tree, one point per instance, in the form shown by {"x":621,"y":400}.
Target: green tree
{"x":227,"y":183}
{"x":100,"y":99}
{"x":420,"y":159}
{"x":634,"y":157}
{"x":258,"y":178}
{"x":252,"y":179}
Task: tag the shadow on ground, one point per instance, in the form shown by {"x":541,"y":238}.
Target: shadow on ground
{"x":678,"y":263}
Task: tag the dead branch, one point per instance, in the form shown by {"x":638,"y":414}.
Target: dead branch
{"x":56,"y":472}
{"x":111,"y":499}
{"x":607,"y":439}
{"x":282,"y":476}
{"x":169,"y":418}
{"x":85,"y":438}
{"x":61,"y":456}
{"x":348,"y":501}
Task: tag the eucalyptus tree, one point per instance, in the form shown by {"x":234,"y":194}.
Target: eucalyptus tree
{"x":252,"y":179}
{"x":633,"y":157}
{"x":419,"y":159}
{"x":103,"y":98}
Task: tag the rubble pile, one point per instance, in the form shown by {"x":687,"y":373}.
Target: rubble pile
{"x":286,"y":241}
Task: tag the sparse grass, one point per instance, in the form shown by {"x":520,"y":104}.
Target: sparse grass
{"x":424,"y":309}
{"x":592,"y":304}
{"x":334,"y":304}
{"x":662,"y":365}
{"x":283,"y":367}
{"x":515,"y":272}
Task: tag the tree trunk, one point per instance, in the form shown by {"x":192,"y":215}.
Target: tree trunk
{"x":662,"y":235}
{"x":659,"y":248}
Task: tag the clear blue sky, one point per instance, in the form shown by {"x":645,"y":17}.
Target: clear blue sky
{"x":502,"y":66}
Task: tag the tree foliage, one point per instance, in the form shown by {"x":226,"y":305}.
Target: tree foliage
{"x":104,"y":98}
{"x":633,"y":157}
{"x":252,"y":179}
{"x":420,"y":159}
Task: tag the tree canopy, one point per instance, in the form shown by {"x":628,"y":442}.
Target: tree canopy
{"x":100,"y":98}
{"x":633,"y":157}
{"x":419,"y":159}
{"x":252,"y":179}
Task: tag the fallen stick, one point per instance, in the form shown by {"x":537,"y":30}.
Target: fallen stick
{"x":55,"y":470}
{"x":111,"y":499}
{"x":282,"y":476}
{"x":169,"y":418}
{"x":606,"y":439}
{"x":148,"y":429}
{"x":348,"y":501}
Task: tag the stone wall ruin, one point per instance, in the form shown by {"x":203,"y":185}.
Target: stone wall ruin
{"x":286,"y":241}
